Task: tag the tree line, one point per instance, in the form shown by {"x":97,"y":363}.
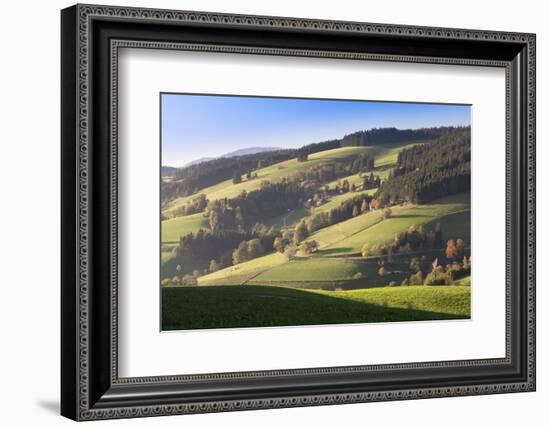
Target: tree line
{"x":430,"y":171}
{"x":392,"y":135}
{"x":425,"y":272}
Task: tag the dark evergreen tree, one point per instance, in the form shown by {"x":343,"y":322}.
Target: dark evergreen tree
{"x":427,"y":172}
{"x":302,"y":156}
{"x":237,"y":176}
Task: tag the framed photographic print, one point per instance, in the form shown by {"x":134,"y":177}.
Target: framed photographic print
{"x":263,"y":212}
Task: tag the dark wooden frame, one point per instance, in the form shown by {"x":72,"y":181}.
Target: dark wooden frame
{"x":90,"y":386}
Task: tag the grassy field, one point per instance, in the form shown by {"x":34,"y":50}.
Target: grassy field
{"x":238,"y":274}
{"x":290,"y":219}
{"x":310,"y":269}
{"x":338,"y":232}
{"x":173,"y":229}
{"x":261,"y":306}
{"x":328,"y":273}
{"x":338,"y":199}
{"x":165,"y":256}
{"x":383,"y":231}
{"x":464,"y":281}
{"x":336,"y":273}
{"x":453,"y":300}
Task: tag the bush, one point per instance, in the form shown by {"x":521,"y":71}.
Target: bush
{"x":214,"y":266}
{"x":358,"y":275}
{"x":279,"y":244}
{"x":301,"y":232}
{"x":308,"y":247}
{"x":247,"y":250}
{"x":438,"y":276}
{"x":404,"y":249}
{"x":374,"y":250}
{"x":166,"y":281}
{"x":416,"y":279}
{"x":290,"y":251}
{"x":458,"y":270}
{"x":392,"y":284}
{"x":189,"y":280}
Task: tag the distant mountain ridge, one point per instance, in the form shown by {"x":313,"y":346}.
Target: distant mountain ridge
{"x":197,"y":161}
{"x":168,"y":170}
{"x":249,"y":151}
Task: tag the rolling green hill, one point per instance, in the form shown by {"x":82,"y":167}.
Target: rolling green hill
{"x":272,"y":173}
{"x":260,"y":306}
{"x":173,"y":229}
{"x":242,"y":272}
{"x":290,"y":219}
{"x":339,"y":231}
{"x":337,"y":199}
{"x":329,"y":268}
{"x":384,"y":155}
{"x":400,"y":221}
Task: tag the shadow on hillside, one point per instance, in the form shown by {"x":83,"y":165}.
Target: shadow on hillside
{"x":409,"y":216}
{"x":383,"y":168}
{"x":265,"y":306}
{"x":332,"y":251}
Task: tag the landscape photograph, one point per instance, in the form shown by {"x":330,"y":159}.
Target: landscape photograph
{"x":297,"y":212}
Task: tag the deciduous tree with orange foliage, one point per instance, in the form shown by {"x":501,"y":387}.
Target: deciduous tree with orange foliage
{"x":375,"y":204}
{"x":451,"y":251}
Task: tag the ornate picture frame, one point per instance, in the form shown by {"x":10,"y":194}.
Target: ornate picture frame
{"x":91,"y":37}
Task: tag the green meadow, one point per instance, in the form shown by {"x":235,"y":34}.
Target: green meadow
{"x":402,"y":219}
{"x":173,"y":229}
{"x":264,"y":306}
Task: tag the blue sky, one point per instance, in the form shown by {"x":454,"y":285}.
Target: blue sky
{"x":197,"y":126}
